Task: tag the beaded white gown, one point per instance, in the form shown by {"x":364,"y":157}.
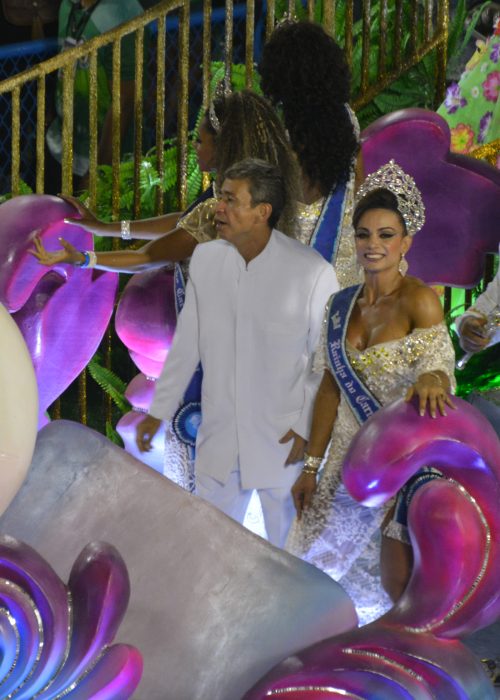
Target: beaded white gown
{"x":336,"y":533}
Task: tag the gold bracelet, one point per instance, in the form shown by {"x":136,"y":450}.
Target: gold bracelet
{"x":308,"y":470}
{"x":312,"y":462}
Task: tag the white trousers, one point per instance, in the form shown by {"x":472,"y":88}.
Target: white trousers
{"x":277,"y":504}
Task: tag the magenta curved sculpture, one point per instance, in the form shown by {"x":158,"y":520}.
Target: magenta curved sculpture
{"x":62,"y":311}
{"x":413,"y":651}
{"x":461,"y":194}
{"x":54,"y":639}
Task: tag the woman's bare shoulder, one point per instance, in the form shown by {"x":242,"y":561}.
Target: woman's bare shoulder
{"x":421,"y":303}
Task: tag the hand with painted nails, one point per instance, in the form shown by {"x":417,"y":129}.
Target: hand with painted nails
{"x":432,"y":389}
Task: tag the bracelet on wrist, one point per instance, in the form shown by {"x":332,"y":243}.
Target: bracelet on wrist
{"x":89,"y":259}
{"x":311,"y":472}
{"x":125,"y":230}
{"x":311,"y":462}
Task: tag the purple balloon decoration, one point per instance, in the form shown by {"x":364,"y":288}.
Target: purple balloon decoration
{"x":145,"y":319}
{"x":145,"y":322}
{"x":54,"y":640}
{"x":414,"y":650}
{"x":461,"y":195}
{"x":63,"y":311}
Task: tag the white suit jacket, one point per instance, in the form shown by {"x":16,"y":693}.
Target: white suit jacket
{"x":254,"y":328}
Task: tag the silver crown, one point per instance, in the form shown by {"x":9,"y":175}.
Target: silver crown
{"x":393,"y":178}
{"x":289,"y":17}
{"x":222,"y":89}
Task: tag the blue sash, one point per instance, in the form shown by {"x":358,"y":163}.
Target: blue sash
{"x":361,"y":401}
{"x":326,"y":234}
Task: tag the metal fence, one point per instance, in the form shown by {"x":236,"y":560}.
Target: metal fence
{"x":16,"y":58}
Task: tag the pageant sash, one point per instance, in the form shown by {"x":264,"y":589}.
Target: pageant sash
{"x":361,"y":401}
{"x":326,"y":234}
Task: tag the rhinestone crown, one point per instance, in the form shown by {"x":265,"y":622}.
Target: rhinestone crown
{"x":393,"y":178}
{"x":222,"y":90}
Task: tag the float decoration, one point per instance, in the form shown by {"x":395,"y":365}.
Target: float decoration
{"x":413,"y":651}
{"x":55,"y":638}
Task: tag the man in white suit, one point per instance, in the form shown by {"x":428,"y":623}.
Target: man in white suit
{"x":253,"y":313}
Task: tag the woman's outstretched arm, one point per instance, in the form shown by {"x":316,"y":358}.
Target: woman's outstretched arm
{"x":172,"y":247}
{"x":142,"y":229}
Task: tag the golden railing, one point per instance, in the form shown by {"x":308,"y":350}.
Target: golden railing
{"x":426,"y":25}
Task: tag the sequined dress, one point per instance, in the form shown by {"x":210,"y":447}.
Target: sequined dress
{"x":336,"y":533}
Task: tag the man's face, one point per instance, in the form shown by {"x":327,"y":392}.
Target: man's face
{"x":235,"y":217}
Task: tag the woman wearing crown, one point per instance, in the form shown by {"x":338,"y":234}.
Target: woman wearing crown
{"x":381,"y":339}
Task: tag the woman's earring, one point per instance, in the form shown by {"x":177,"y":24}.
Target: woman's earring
{"x":403,"y":265}
{"x":360,"y":272}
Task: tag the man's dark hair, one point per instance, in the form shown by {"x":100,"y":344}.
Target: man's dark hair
{"x":378,"y":199}
{"x":265,"y":183}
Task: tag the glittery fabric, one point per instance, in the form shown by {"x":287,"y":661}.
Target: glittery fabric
{"x":178,"y":464}
{"x":307,"y":216}
{"x":336,"y":533}
{"x":199,"y":222}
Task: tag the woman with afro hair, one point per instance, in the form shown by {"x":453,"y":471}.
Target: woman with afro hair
{"x":305,"y":74}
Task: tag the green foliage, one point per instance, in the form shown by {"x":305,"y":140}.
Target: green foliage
{"x":480,"y":374}
{"x":109,"y":382}
{"x":23,"y":189}
{"x":149,"y":183}
{"x":416,"y":87}
{"x":113,"y":435}
{"x":149,"y":177}
{"x":238,"y":77}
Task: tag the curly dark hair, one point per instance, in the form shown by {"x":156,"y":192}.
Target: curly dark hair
{"x":304,"y":72}
{"x":251,"y":128}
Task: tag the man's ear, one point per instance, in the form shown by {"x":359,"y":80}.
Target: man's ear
{"x":265,"y":210}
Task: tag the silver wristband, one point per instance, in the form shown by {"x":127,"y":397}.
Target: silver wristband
{"x":125,"y":230}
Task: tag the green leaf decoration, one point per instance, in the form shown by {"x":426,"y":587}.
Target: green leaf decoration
{"x":110,"y":383}
{"x":113,"y":435}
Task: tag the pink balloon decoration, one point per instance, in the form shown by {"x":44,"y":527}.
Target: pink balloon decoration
{"x":454,"y":523}
{"x":145,"y":322}
{"x":145,"y":318}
